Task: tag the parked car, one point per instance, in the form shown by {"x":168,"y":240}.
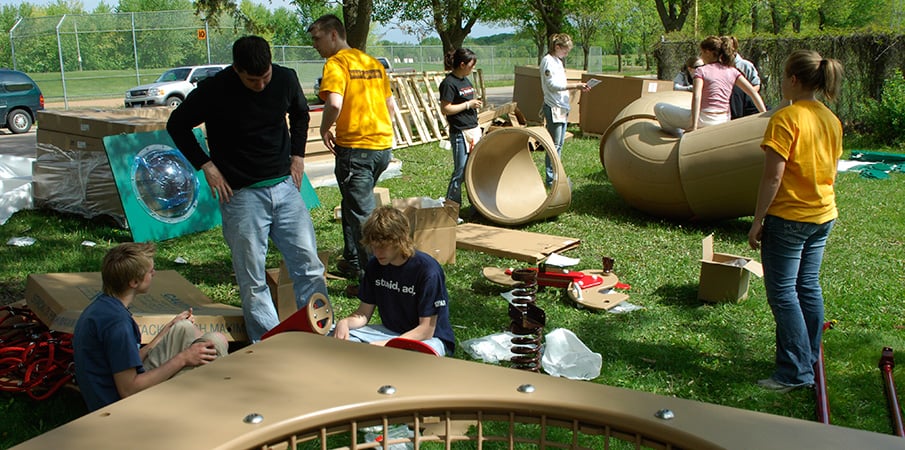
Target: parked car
{"x":172,"y":86}
{"x":20,"y":101}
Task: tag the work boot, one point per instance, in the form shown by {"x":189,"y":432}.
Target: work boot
{"x":347,"y":269}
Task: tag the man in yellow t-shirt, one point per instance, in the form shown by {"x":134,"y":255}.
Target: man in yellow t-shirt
{"x":358,"y":100}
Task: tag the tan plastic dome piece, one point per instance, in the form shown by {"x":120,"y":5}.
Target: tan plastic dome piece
{"x":708,"y":174}
{"x":506,"y":186}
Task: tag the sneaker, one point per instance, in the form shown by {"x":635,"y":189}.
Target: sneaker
{"x":772,"y":385}
{"x":459,"y":221}
{"x":347,"y":269}
{"x":351,"y":291}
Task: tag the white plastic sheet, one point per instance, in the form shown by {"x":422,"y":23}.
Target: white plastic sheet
{"x":566,"y":356}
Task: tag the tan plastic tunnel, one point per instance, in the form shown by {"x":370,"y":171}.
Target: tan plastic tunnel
{"x":505,"y":184}
{"x":709,"y":174}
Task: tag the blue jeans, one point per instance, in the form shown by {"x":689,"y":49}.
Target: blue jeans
{"x":249,"y":218}
{"x":371,"y":333}
{"x":792,"y":253}
{"x":557,"y":131}
{"x":357,"y":172}
{"x":460,"y":156}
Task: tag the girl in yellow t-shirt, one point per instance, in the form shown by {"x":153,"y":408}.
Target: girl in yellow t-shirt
{"x":796,"y":209}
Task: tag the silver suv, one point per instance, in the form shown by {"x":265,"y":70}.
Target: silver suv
{"x":172,"y":87}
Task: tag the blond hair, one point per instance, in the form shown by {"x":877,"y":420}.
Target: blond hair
{"x":561,"y":40}
{"x":815,"y":72}
{"x":124,"y":264}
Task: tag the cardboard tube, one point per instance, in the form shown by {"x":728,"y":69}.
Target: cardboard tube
{"x":505,"y":185}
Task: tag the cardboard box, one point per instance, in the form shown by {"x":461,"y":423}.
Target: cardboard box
{"x":281,"y":291}
{"x":724,"y":277}
{"x":600,"y":106}
{"x":59,"y":298}
{"x":529,"y":95}
{"x":97,"y":124}
{"x":433,"y":227}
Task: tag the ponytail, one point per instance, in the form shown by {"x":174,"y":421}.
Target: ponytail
{"x":815,"y":72}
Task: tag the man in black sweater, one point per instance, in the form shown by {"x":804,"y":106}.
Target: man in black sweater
{"x":255,"y":168}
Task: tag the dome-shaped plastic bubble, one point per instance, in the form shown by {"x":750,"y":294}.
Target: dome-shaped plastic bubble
{"x":165,"y":184}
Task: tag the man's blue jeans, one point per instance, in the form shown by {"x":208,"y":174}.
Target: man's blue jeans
{"x":557,"y":131}
{"x":460,"y":156}
{"x":357,"y":172}
{"x":792,"y":253}
{"x":249,"y":218}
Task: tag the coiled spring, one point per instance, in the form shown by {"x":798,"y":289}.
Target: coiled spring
{"x":527,"y":322}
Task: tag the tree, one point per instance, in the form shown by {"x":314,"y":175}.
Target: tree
{"x":620,"y":19}
{"x":452,"y":20}
{"x":585,"y":17}
{"x":673,"y":13}
{"x":552,"y":14}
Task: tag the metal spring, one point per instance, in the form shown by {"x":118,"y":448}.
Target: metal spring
{"x":527,"y":343}
{"x":526,"y":289}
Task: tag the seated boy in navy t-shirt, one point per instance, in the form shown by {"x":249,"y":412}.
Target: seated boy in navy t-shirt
{"x":407,"y":287}
{"x":110,"y":363}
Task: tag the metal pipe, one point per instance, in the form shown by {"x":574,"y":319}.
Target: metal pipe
{"x":823,"y":403}
{"x":887,"y":363}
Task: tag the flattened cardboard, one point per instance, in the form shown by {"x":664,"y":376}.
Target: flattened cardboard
{"x":520,"y":245}
{"x":97,"y":124}
{"x":58,"y":299}
{"x":722,"y":281}
{"x":433,"y":229}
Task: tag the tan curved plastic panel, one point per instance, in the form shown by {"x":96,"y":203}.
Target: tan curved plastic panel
{"x":505,"y":185}
{"x":711,"y":173}
{"x":316,"y":390}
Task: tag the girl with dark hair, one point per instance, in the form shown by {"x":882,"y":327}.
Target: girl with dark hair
{"x":712,"y":88}
{"x":459,"y":105}
{"x":796,"y":209}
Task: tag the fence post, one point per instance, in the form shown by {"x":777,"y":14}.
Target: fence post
{"x":135,"y":50}
{"x":62,"y":69}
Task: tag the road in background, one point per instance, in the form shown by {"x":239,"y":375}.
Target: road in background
{"x":24,"y":144}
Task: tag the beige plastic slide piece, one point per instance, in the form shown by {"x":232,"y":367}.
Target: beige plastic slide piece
{"x":711,"y":173}
{"x":504,"y":183}
{"x":301,"y":390}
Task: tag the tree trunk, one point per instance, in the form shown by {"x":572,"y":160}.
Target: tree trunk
{"x":357,"y":18}
{"x":776,"y":17}
{"x":755,"y":23}
{"x":585,"y":51}
{"x":673,"y":14}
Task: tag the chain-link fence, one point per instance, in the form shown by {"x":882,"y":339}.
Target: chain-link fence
{"x":75,"y":57}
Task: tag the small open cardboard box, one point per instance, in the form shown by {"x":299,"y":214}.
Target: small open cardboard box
{"x":58,"y":300}
{"x":723,"y":277}
{"x":433,"y":228}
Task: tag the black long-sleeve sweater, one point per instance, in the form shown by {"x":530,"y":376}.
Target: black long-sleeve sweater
{"x":247,"y":133}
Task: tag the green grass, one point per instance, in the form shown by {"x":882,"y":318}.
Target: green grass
{"x":675,"y":346}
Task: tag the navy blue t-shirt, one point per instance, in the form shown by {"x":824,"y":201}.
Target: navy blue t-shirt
{"x":105,"y":341}
{"x":403,"y":294}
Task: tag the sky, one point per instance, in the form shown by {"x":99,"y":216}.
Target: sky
{"x":392,"y":34}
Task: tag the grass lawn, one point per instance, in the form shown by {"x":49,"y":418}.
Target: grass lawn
{"x":675,"y":346}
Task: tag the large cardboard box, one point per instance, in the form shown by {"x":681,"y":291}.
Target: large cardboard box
{"x":603,"y":102}
{"x":282,"y":292}
{"x":725,"y":277}
{"x":58,"y":299}
{"x":433,"y":227}
{"x":529,"y":96}
{"x":97,"y":124}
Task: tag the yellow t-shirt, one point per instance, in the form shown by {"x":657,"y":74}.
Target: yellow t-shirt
{"x":364,"y":121}
{"x":809,"y":137}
